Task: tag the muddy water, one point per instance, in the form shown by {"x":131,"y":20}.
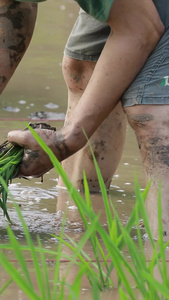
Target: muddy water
{"x":37,"y":91}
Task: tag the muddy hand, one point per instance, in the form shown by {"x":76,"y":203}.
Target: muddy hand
{"x":35,"y":161}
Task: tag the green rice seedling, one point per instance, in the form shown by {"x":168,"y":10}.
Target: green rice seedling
{"x":10,"y":158}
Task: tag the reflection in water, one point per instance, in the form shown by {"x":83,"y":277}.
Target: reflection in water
{"x":11,"y":109}
{"x":42,"y":115}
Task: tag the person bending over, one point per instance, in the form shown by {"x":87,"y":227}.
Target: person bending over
{"x":124,"y":54}
{"x":136,"y":30}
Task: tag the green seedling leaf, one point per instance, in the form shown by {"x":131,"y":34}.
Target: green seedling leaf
{"x":18,"y":278}
{"x":10,"y":158}
{"x":6,"y":285}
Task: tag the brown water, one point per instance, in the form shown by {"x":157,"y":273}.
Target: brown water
{"x":38,"y":89}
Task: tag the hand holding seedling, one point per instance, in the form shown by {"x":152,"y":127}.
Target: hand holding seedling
{"x":10,"y":158}
{"x":22,"y":156}
{"x":35,"y":161}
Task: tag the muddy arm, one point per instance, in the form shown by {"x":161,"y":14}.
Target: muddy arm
{"x":17,"y":21}
{"x":135,"y":31}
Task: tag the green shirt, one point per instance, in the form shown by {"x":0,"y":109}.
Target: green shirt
{"x":30,"y":0}
{"x":99,"y":9}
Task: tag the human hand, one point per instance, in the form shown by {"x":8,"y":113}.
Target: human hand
{"x":35,"y":161}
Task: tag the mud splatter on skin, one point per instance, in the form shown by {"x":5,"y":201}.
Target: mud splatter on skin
{"x":155,"y":150}
{"x":99,"y":149}
{"x":2,"y":79}
{"x":154,"y":141}
{"x":76,"y":78}
{"x":96,"y":154}
{"x":61,"y":146}
{"x":14,"y":18}
{"x":163,"y":152}
{"x":30,"y":158}
{"x":94,"y":185}
{"x":100,"y":144}
{"x":165,"y":123}
{"x":19,"y":49}
{"x":12,"y":25}
{"x":141,"y":119}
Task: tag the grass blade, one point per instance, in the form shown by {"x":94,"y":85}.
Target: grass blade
{"x":5,"y":286}
{"x":16,"y":276}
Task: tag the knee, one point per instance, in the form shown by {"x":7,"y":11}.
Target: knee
{"x":76,"y":73}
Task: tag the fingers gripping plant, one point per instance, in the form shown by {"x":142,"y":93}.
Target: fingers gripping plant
{"x":10,"y":159}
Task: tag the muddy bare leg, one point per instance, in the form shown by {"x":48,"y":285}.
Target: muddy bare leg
{"x":17,"y":22}
{"x":151,"y":125}
{"x":108,"y":140}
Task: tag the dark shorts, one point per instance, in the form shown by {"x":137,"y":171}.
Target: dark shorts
{"x":151,"y":86}
{"x":87,"y":39}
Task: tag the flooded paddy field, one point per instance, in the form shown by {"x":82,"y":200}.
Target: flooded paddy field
{"x":43,"y":205}
{"x":37,"y":92}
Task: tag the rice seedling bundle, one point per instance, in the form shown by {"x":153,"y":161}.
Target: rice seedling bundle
{"x":10,"y":159}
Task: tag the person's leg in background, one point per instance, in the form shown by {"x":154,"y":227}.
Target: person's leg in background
{"x":17,"y":21}
{"x":146,"y":104}
{"x":84,"y":46}
{"x":151,"y":125}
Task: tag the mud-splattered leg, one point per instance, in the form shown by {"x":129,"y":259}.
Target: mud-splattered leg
{"x":108,"y":140}
{"x":17,"y":22}
{"x":151,"y":125}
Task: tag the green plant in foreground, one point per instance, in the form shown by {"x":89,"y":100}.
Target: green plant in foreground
{"x":138,"y":273}
{"x":10,"y":157}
